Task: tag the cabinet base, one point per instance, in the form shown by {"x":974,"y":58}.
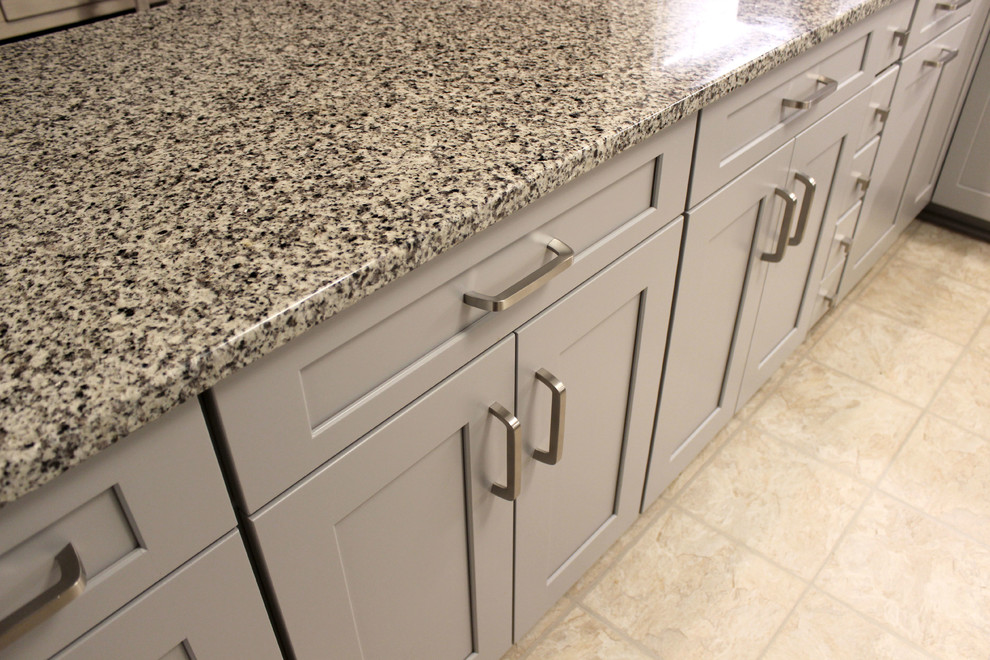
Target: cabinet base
{"x":956,"y":221}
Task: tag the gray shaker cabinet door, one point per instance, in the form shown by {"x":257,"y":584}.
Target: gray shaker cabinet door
{"x":725,"y":235}
{"x":398,"y":548}
{"x":780,"y":326}
{"x":605,"y":344}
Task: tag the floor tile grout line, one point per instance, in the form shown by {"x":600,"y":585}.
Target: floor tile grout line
{"x":614,"y":627}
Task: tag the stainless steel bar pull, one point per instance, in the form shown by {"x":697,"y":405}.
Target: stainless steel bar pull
{"x":513,"y":453}
{"x":830,"y":86}
{"x":902,"y":36}
{"x":948,"y":54}
{"x":810,"y":187}
{"x":71,"y":583}
{"x":506,"y":299}
{"x":558,"y":408}
{"x":785,"y":226}
{"x":952,"y":6}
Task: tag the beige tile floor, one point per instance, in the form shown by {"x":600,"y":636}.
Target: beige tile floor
{"x":843,"y":513}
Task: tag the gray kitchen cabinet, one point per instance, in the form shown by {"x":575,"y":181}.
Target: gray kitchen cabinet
{"x":964,"y":184}
{"x":711,"y":326}
{"x":879,"y":222}
{"x":945,"y":109}
{"x":125,"y":521}
{"x":400,"y":548}
{"x":208,"y":609}
{"x":784,"y":286}
{"x":604,"y":343}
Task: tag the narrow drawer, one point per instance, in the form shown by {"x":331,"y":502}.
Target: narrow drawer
{"x":878,"y":107}
{"x":297,"y":407}
{"x":851,"y":185}
{"x":209,"y":609}
{"x":841,"y":241}
{"x":131,"y":515}
{"x":889,"y":36}
{"x":740,"y":129}
{"x":932,"y":17}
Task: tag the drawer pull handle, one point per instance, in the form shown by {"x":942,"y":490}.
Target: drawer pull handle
{"x":558,"y":408}
{"x":947,"y":56}
{"x":902,"y":36}
{"x":863,"y":183}
{"x":513,"y":453}
{"x":528,"y":284}
{"x":810,"y":186}
{"x":844,"y":242}
{"x":785,"y":226}
{"x":881,"y":113}
{"x":71,"y":583}
{"x":952,"y":6}
{"x":830,"y":86}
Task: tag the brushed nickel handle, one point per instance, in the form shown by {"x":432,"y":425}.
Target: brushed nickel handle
{"x":830,"y":86}
{"x":948,"y":54}
{"x":863,"y":183}
{"x":810,"y":186}
{"x":513,"y":453}
{"x":528,"y":284}
{"x":785,"y":226}
{"x":844,"y":242}
{"x":952,"y":6}
{"x":881,"y":112}
{"x":558,"y":408}
{"x":71,"y":583}
{"x":902,"y":36}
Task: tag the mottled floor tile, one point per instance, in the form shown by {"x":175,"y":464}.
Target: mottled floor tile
{"x":581,"y":636}
{"x":981,"y":342}
{"x":776,"y":500}
{"x":685,"y":591}
{"x":837,"y":419}
{"x":768,"y":387}
{"x":965,"y":396}
{"x":623,"y":542}
{"x":821,"y":628}
{"x":917,"y":576}
{"x":874,"y":348}
{"x":928,"y":300}
{"x":954,"y":254}
{"x":546,"y":622}
{"x":684,"y":478}
{"x":945,"y":472}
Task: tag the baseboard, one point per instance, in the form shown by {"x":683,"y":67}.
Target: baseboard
{"x":962,"y":223}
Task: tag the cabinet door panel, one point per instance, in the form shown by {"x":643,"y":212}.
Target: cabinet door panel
{"x":877,"y":227}
{"x":702,"y":375}
{"x":605,"y":342}
{"x":398,"y":548}
{"x":780,"y":326}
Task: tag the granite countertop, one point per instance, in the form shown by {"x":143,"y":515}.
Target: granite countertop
{"x":186,"y":189}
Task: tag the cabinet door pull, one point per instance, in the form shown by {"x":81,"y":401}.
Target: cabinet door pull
{"x":952,"y":6}
{"x":513,"y":453}
{"x":810,"y":186}
{"x":863,"y":183}
{"x":785,"y":226}
{"x":947,"y":56}
{"x":558,"y":408}
{"x":830,"y":86}
{"x":71,"y":583}
{"x":880,"y":112}
{"x":902,"y":36}
{"x":528,"y":284}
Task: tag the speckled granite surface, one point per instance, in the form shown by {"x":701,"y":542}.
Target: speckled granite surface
{"x":183,"y":191}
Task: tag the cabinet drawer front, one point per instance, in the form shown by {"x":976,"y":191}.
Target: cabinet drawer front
{"x":293,"y":410}
{"x":932,"y":17}
{"x":878,"y":103}
{"x":852,"y":184}
{"x":210,"y":609}
{"x":27,"y":16}
{"x":839,"y":247}
{"x":398,"y":548}
{"x":133,"y":514}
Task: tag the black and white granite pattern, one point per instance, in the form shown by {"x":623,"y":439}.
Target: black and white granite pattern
{"x":184,"y":190}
